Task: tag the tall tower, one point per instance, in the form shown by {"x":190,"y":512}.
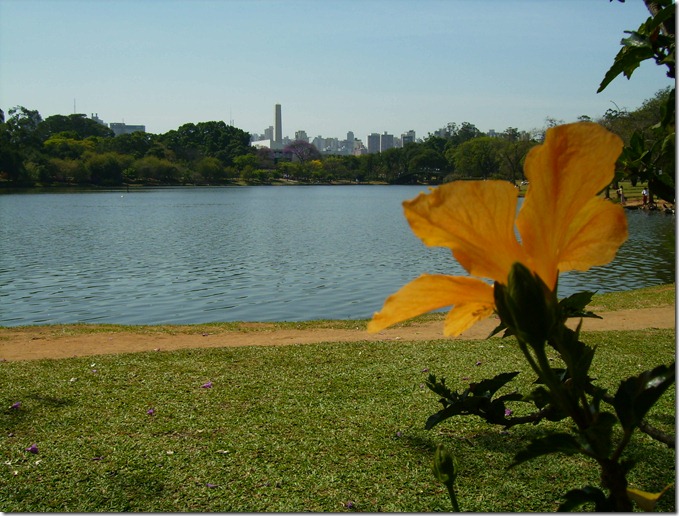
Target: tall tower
{"x":278,"y":135}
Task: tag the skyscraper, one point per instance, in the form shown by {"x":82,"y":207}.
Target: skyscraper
{"x":278,"y":135}
{"x":373,"y":143}
{"x":386,"y":141}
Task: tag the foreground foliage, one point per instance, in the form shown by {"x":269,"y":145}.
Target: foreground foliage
{"x":563,"y":225}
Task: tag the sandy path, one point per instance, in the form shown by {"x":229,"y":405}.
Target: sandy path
{"x":31,"y":343}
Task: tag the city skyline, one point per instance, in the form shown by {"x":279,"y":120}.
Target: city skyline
{"x":337,"y":66}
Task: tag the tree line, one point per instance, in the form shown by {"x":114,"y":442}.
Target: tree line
{"x":76,"y":150}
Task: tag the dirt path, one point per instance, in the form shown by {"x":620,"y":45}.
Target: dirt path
{"x":31,"y":343}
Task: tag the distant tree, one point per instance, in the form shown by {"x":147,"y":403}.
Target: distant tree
{"x":192,"y":142}
{"x":265,"y":158}
{"x":151,"y":169}
{"x":11,"y":161}
{"x":22,"y":126}
{"x":246,"y":160}
{"x":77,"y":123}
{"x":427,"y":166}
{"x":107,"y":169}
{"x":337,"y":167}
{"x":211,"y":170}
{"x":136,"y":144}
{"x":302,"y":151}
{"x":478,"y":158}
{"x":512,"y":151}
{"x":63,"y":145}
{"x":68,"y":171}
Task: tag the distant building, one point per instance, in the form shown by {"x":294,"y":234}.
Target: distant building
{"x":407,"y":138}
{"x":373,"y":143}
{"x":386,"y":141}
{"x":95,"y":117}
{"x":119,"y":128}
{"x":301,"y":136}
{"x":359,"y":148}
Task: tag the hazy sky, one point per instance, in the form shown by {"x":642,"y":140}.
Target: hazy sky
{"x":334,"y":65}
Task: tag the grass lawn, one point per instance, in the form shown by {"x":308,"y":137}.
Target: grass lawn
{"x":323,"y":427}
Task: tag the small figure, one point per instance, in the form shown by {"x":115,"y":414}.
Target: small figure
{"x":622,"y":196}
{"x":644,"y":197}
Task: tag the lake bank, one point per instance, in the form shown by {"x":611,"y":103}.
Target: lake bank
{"x":65,"y":341}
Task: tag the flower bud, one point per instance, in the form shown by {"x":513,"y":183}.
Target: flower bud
{"x":525,"y":305}
{"x":445,"y":466}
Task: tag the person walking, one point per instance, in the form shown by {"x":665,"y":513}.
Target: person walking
{"x":644,"y":197}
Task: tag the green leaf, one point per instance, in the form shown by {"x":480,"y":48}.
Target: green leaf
{"x":638,"y":394}
{"x":577,"y":497}
{"x":553,"y":443}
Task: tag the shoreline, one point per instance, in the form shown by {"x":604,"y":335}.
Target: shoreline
{"x":68,"y":341}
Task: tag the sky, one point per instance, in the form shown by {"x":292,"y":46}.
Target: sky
{"x":334,"y":65}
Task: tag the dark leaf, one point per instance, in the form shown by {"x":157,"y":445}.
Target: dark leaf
{"x":638,"y":394}
{"x":442,"y":415}
{"x":492,"y":385}
{"x":574,"y":305}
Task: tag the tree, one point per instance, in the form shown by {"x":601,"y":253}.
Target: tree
{"x":63,"y":145}
{"x":513,"y":149}
{"x":22,"y":126}
{"x":107,"y":169}
{"x":192,"y":142}
{"x":427,"y":166}
{"x":78,"y":123}
{"x":650,"y":152}
{"x":153,"y":169}
{"x":302,"y":151}
{"x":478,"y":158}
{"x":137,"y":144}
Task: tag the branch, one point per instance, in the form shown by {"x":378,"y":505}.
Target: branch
{"x":656,"y":434}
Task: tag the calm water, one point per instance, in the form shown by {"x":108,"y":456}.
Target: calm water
{"x":192,"y":255}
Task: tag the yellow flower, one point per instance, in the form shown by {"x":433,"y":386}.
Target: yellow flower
{"x":563,"y":223}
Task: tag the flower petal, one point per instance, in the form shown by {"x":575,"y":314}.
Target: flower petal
{"x":475,"y":219}
{"x":431,"y":292}
{"x":646,"y":501}
{"x":593,"y":236}
{"x":464,"y":316}
{"x":566,"y":173}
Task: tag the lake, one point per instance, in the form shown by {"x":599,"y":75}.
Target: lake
{"x":263,"y":253}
